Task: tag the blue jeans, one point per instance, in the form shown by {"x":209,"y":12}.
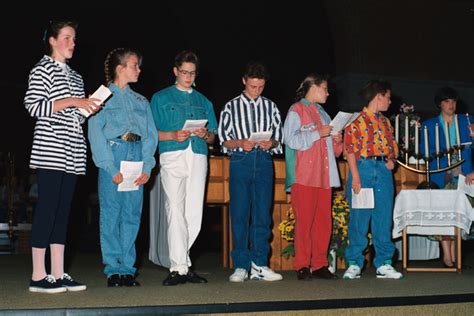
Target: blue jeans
{"x":251,"y":199}
{"x":373,"y":174}
{"x":120,"y":213}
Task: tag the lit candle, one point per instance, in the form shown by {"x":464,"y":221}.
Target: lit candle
{"x":456,"y":128}
{"x":416,"y":138}
{"x":427,"y":150}
{"x":469,"y":125}
{"x":437,"y":138}
{"x":397,"y":119}
{"x":446,"y":132}
{"x":407,"y":127}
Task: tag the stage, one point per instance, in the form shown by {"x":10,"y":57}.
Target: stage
{"x":416,"y":291}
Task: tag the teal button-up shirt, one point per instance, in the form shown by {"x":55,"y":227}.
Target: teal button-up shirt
{"x":171,"y":107}
{"x":126,"y":111}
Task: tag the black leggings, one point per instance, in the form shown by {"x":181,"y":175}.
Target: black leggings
{"x":55,"y":192}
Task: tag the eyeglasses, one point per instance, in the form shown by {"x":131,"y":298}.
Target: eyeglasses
{"x":185,"y":73}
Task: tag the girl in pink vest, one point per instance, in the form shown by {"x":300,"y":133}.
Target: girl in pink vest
{"x":311,"y":173}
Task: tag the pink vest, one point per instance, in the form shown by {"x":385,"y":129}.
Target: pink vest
{"x":312,"y":165}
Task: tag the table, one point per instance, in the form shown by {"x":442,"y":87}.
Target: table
{"x":431,"y":212}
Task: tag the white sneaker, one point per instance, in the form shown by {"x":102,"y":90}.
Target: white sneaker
{"x":386,"y":271}
{"x":353,"y":272}
{"x":264,"y":273}
{"x":239,"y":275}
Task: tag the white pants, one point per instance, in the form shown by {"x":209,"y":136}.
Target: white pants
{"x":183,"y":176}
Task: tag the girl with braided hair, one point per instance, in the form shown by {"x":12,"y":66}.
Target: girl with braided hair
{"x":123,"y":130}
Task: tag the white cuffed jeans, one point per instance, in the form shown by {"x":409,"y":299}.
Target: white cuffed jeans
{"x":183,"y":176}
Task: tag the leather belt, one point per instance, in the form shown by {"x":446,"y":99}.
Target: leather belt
{"x":378,"y":158}
{"x":130,"y":137}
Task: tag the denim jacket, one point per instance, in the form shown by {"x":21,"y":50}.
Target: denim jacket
{"x":126,"y":111}
{"x":171,"y":107}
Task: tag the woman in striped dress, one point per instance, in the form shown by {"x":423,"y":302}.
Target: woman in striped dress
{"x":54,"y":98}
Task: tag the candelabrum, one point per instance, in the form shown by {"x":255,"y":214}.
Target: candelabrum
{"x":405,"y":156}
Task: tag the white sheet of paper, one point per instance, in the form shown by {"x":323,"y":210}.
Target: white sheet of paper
{"x":130,"y":170}
{"x":260,"y":136}
{"x":341,"y":120}
{"x":191,"y":125}
{"x":364,"y":199}
{"x":465,"y":188}
{"x":102,"y":93}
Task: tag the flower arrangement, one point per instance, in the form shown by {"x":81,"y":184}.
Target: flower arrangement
{"x":287,"y":232}
{"x":413,"y":119}
{"x":339,"y":240}
{"x":340,"y":216}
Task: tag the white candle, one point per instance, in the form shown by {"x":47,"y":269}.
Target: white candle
{"x":427,"y":147}
{"x":416,"y":139}
{"x":437,"y":138}
{"x":469,"y":125}
{"x":397,"y":119}
{"x":446,"y":132}
{"x":407,"y":134}
{"x":456,"y":128}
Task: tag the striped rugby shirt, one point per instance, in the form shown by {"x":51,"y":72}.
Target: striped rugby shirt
{"x":58,"y":140}
{"x":242,"y":116}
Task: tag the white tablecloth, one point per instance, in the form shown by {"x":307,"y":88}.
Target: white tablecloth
{"x":431,"y":212}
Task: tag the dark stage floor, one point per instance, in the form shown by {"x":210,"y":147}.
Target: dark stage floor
{"x":221,"y":296}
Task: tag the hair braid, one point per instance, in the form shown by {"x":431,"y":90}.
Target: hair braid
{"x":109,"y":70}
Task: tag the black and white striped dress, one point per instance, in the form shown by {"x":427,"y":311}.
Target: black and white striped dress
{"x":58,"y":141}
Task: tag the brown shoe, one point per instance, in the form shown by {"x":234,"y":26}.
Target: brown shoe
{"x":304,"y":274}
{"x":323,"y":273}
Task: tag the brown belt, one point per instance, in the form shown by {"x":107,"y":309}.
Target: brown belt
{"x":130,"y":137}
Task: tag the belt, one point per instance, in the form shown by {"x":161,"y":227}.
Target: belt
{"x":130,"y":137}
{"x":379,"y":158}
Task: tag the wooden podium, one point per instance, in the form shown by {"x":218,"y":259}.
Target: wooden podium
{"x":217,"y":194}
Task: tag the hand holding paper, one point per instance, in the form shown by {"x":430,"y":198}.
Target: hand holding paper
{"x":341,"y":120}
{"x":363,"y":199}
{"x":102,"y":94}
{"x":260,"y":136}
{"x":130,"y":170}
{"x":464,"y":187}
{"x":191,"y":125}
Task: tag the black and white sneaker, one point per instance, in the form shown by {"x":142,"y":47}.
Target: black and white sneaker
{"x":46,"y":285}
{"x":69,"y":284}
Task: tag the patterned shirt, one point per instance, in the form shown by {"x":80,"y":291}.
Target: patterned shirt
{"x":242,"y":116}
{"x":58,"y":141}
{"x":371,"y":134}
